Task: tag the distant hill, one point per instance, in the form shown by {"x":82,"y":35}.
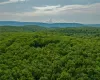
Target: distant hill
{"x":21,"y":28}
{"x":54,"y":25}
{"x":15,"y":23}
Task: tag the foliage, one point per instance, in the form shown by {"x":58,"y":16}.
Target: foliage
{"x":49,"y":55}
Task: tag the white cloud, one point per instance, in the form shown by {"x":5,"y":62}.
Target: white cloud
{"x":58,"y":10}
{"x":47,"y":7}
{"x":83,"y":13}
{"x":11,"y":1}
{"x":67,"y":9}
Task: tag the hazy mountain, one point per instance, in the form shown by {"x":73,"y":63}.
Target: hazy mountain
{"x":15,"y":23}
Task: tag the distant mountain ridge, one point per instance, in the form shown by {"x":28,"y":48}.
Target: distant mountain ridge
{"x":16,"y":23}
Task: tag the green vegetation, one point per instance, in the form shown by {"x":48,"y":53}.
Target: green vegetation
{"x":21,"y":29}
{"x":80,"y":31}
{"x":55,"y":54}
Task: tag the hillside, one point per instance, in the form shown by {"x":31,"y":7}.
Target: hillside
{"x":21,"y":28}
{"x":77,"y":31}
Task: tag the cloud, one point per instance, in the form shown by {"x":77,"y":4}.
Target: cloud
{"x":86,"y":13}
{"x":46,"y":7}
{"x":59,"y":10}
{"x":67,"y":9}
{"x":11,"y":1}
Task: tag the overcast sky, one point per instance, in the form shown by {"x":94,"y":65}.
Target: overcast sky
{"x":79,"y":11}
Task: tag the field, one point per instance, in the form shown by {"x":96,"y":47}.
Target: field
{"x":38,"y":53}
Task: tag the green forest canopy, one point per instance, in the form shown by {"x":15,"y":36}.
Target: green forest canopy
{"x":55,"y":54}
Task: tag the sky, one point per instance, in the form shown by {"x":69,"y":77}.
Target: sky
{"x":73,"y":11}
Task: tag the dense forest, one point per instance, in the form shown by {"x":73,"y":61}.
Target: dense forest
{"x":39,"y":53}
